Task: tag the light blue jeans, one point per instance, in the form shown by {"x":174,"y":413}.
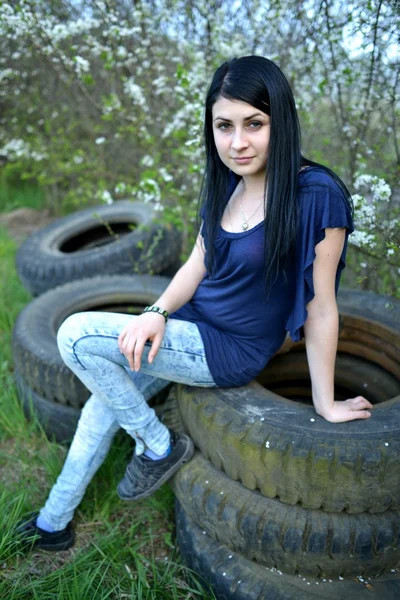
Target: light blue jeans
{"x":88,"y":343}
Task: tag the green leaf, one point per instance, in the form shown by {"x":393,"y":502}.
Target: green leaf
{"x":88,"y":79}
{"x":322,"y":85}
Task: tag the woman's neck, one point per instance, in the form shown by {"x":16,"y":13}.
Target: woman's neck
{"x":251,"y":189}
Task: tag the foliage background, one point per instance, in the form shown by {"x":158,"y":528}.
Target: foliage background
{"x":104,"y":100}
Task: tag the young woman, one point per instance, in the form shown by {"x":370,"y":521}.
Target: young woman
{"x":267,"y":261}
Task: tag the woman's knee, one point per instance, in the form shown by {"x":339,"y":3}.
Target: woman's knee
{"x":70,"y":330}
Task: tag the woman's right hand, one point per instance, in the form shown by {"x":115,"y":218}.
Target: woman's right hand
{"x":131,"y":340}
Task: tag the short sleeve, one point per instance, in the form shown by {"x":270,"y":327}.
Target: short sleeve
{"x":320,"y":206}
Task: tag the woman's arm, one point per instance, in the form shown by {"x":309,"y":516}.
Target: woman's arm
{"x":321,"y":331}
{"x":151,"y":325}
{"x":186,"y":281}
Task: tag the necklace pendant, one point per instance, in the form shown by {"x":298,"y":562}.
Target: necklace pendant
{"x":245,"y":225}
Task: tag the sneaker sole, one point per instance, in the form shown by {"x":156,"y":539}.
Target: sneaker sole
{"x":167,"y":475}
{"x":30,"y":545}
{"x":55,"y":547}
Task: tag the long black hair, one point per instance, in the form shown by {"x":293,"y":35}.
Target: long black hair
{"x":259,"y":82}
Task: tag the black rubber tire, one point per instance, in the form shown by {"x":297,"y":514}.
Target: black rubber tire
{"x":353,"y":375}
{"x":369,"y":327}
{"x":275,"y":534}
{"x":232,"y":577}
{"x":170,"y":415}
{"x":81,"y":245}
{"x":294,"y":454}
{"x":58,"y":421}
{"x":34,"y":342}
{"x":285,"y":450}
{"x":172,"y":269}
{"x":290,"y":538}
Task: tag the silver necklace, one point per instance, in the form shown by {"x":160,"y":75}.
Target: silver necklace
{"x":245,"y":223}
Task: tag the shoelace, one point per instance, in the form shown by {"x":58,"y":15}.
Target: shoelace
{"x":135,"y":468}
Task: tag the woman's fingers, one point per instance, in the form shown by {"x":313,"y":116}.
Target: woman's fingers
{"x":359,"y":414}
{"x":361,"y":402}
{"x":121,"y":338}
{"x":128,"y":351}
{"x":132,"y":339}
{"x":132,"y":348}
{"x":140,"y":342}
{"x":155,"y":346}
{"x":349,"y":410}
{"x":126,"y":345}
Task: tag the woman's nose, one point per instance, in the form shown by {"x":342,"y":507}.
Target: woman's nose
{"x":239,"y":139}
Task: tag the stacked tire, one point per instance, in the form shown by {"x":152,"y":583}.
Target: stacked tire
{"x":122,"y":238}
{"x":109,"y":258}
{"x":279,"y":503}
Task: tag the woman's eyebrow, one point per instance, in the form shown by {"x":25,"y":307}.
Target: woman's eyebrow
{"x":244,"y":118}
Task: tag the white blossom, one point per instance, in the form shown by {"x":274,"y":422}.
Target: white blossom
{"x":120,"y":188}
{"x":7,"y":73}
{"x":362,"y":238}
{"x":166,"y":176}
{"x":113,"y":103}
{"x":81,"y":65}
{"x":105,"y":196}
{"x":347,"y":130}
{"x":134,"y":91}
{"x":15,"y":148}
{"x":100,"y":140}
{"x":38,"y":156}
{"x":122,"y":52}
{"x":149,"y":191}
{"x":147,"y":161}
{"x":160,"y":85}
{"x":380,"y":189}
{"x":193,"y":141}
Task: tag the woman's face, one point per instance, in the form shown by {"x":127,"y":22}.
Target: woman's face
{"x":241,"y":130}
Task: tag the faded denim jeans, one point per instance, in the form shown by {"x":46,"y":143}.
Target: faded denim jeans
{"x":88,"y":343}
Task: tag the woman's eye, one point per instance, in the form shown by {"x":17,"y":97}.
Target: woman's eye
{"x":223,"y":125}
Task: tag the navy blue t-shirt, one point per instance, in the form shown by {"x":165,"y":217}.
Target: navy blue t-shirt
{"x":240,"y":331}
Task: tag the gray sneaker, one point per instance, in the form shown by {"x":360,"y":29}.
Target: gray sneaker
{"x":144,"y":476}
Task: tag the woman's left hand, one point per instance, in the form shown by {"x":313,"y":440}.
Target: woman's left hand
{"x":348,"y":410}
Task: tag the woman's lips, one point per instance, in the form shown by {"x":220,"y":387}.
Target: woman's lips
{"x":243,"y":160}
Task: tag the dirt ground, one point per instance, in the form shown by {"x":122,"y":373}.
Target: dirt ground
{"x":22,"y":222}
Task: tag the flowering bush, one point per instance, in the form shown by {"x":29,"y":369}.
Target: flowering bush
{"x":377,"y":232}
{"x":100,"y":102}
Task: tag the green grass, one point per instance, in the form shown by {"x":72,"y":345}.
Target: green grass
{"x":19,"y":193}
{"x":122,"y":550}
